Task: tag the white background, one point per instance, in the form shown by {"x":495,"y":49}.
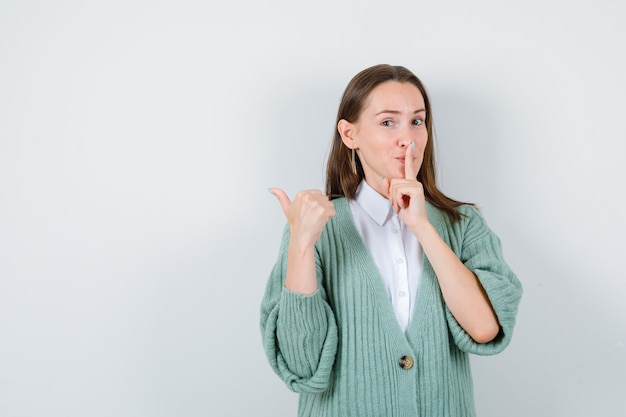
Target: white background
{"x":138,"y":140}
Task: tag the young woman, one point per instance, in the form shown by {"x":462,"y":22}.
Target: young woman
{"x":383,"y":285}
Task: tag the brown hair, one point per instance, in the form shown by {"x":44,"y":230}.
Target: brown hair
{"x":340,"y":179}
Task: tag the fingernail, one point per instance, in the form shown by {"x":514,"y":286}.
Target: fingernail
{"x":270,"y":191}
{"x":413,"y":145}
{"x":381,"y":178}
{"x":388,"y":204}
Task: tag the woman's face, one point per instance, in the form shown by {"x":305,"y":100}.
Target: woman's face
{"x":393,"y":116}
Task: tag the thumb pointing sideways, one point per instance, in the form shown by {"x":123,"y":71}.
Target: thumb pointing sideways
{"x":282,"y":198}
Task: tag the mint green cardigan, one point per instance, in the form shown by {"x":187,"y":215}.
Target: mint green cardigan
{"x":340,"y":347}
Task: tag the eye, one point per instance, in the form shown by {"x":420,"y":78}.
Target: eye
{"x":418,"y":122}
{"x":387,"y":123}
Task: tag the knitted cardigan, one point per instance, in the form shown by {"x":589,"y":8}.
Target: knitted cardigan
{"x":340,"y":347}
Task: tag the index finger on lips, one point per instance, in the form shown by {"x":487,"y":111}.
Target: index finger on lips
{"x":409,"y":172}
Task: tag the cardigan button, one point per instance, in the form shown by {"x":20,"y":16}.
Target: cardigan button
{"x":406,"y":362}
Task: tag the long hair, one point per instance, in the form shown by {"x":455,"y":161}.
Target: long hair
{"x":341,"y":181}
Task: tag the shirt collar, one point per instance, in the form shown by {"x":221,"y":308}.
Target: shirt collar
{"x":374,"y":204}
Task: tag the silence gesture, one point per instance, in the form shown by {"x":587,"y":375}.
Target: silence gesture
{"x":406,"y":194}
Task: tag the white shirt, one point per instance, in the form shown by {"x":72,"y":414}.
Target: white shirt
{"x":394,"y":248}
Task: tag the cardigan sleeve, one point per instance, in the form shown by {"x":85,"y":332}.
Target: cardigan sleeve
{"x":299,"y":332}
{"x":481,"y":253}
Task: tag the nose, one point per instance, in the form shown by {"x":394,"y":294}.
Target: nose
{"x":405,"y":141}
{"x":405,"y":138}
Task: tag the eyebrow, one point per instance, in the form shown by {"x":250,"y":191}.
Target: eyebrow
{"x":399,"y":112}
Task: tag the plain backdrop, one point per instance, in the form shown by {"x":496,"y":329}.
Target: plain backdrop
{"x":138,"y":140}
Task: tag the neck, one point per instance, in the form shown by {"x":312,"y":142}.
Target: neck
{"x":377,"y":185}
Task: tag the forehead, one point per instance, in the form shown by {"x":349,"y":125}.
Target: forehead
{"x":395,"y":96}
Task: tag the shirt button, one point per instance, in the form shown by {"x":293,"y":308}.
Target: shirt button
{"x":406,"y":362}
{"x":394,"y":231}
{"x":402,"y":293}
{"x":399,"y":261}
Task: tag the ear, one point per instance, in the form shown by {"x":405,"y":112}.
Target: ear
{"x":347,"y":131}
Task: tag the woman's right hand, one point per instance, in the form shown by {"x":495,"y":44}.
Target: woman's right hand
{"x":307,"y":215}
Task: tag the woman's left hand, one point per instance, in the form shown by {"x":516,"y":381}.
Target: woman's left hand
{"x":406,"y":195}
{"x":464,"y":295}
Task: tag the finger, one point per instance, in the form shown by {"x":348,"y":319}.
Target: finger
{"x":282,"y":199}
{"x":409,"y":172}
{"x":325,"y":203}
{"x":396,"y":194}
{"x":330,"y":211}
{"x":401,"y":192}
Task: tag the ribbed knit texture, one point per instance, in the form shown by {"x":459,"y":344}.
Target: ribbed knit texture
{"x":340,"y":347}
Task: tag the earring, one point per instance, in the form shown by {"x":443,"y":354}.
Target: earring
{"x":353,"y":162}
